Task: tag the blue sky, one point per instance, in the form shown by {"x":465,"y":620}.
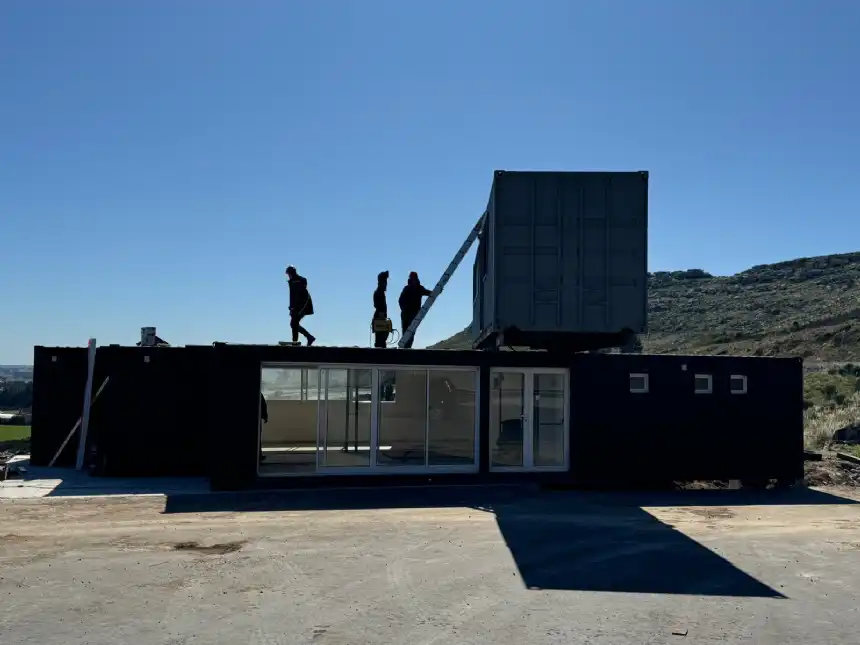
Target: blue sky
{"x":162,"y":161}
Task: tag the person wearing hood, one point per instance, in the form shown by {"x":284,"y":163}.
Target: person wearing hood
{"x":301,"y":305}
{"x":410,"y":304}
{"x":380,"y":309}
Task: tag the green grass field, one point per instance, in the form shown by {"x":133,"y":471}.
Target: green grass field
{"x":15,"y":438}
{"x":14,"y":433}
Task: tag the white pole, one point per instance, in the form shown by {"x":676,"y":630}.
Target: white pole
{"x":76,"y":426}
{"x":88,"y":392}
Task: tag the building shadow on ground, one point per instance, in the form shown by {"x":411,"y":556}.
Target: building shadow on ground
{"x":561,"y":540}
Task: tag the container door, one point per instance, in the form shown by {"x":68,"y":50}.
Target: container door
{"x":529,"y":419}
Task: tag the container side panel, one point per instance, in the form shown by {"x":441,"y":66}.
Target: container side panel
{"x":628,"y":251}
{"x":570,"y":250}
{"x":489,"y":308}
{"x":477,"y":293}
{"x":528,"y":252}
{"x":592,"y":244}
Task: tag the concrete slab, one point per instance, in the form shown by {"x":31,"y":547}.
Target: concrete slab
{"x":68,"y":482}
{"x":432,"y":566}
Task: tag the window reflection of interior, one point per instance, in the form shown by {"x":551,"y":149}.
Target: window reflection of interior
{"x":527,"y":419}
{"x":507,"y":413}
{"x":414,"y":429}
{"x":345,"y":424}
{"x":428,"y":419}
{"x":548,"y":426}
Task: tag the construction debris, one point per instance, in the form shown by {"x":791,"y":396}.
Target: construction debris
{"x":832,"y":470}
{"x":15,"y":466}
{"x":853,"y":459}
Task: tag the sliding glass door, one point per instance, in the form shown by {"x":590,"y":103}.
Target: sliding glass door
{"x":340,"y":419}
{"x":403,"y":419}
{"x":344,"y":418}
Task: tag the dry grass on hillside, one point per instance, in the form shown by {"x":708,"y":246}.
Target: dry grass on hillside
{"x":807,"y":307}
{"x":821,"y":422}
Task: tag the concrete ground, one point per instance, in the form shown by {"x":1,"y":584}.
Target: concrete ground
{"x":444,"y":565}
{"x":67,"y":482}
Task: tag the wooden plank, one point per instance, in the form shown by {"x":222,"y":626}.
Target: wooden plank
{"x":844,"y":456}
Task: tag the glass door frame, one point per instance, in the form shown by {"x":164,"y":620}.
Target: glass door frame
{"x":322,"y":419}
{"x":373,"y":467}
{"x":528,"y":417}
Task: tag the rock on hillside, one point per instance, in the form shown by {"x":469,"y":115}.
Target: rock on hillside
{"x":806,"y":307}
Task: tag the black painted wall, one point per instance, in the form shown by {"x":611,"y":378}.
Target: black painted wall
{"x":672,"y":433}
{"x":59,"y":380}
{"x":235,"y":419}
{"x":194,"y":411}
{"x":155,"y":417}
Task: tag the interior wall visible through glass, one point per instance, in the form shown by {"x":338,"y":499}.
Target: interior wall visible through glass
{"x":426,"y":417}
{"x":319,"y":419}
{"x":288,"y":418}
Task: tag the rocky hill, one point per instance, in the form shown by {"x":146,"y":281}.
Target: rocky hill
{"x":806,"y":307}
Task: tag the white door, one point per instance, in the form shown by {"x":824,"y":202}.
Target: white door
{"x":529,"y":424}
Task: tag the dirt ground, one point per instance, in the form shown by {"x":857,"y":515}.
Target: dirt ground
{"x":832,"y":471}
{"x":482,"y":566}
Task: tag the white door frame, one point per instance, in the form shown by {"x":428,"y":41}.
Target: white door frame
{"x":528,"y":414}
{"x":322,"y":419}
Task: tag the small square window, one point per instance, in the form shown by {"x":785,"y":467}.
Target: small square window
{"x":703,"y":383}
{"x":738,"y":384}
{"x":639,"y":383}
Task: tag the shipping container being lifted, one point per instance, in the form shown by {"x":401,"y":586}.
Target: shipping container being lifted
{"x":562,"y":261}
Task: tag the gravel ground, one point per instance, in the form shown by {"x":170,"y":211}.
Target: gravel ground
{"x":416,"y":568}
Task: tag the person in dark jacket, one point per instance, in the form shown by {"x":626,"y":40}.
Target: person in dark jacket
{"x":380,"y":309}
{"x":410,"y":303}
{"x":301,"y":305}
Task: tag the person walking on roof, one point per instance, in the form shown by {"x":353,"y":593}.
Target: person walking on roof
{"x":301,"y":305}
{"x":380,"y":309}
{"x":410,"y":304}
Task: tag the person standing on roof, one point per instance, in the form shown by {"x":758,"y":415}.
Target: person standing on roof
{"x":410,"y":304}
{"x":301,"y":305}
{"x":380,"y":309}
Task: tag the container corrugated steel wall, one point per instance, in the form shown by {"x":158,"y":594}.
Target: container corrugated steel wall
{"x":59,"y":380}
{"x":563,"y":252}
{"x":672,"y":433}
{"x":156,"y":417}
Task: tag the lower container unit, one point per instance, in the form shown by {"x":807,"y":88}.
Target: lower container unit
{"x":261,"y":417}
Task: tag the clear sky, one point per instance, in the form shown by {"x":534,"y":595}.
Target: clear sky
{"x":161,"y":162}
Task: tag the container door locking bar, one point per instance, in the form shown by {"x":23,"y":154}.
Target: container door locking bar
{"x":410,"y":332}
